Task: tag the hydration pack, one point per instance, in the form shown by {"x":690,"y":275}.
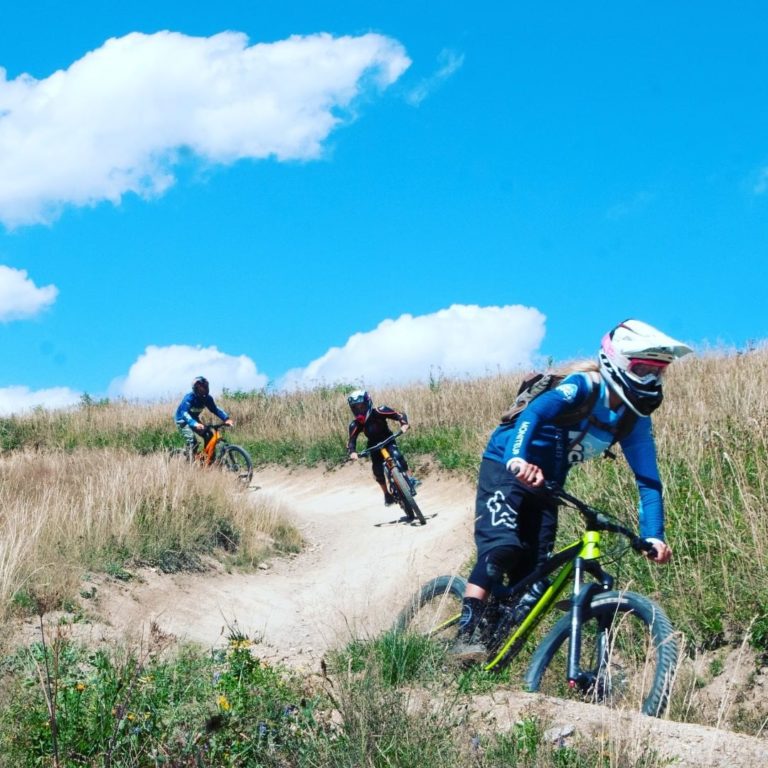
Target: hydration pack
{"x":536,"y":383}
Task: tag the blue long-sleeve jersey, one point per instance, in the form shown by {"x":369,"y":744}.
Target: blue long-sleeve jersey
{"x":193,"y":405}
{"x":535,"y":438}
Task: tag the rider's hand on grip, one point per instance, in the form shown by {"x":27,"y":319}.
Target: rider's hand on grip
{"x":659,"y":551}
{"x":526,"y":473}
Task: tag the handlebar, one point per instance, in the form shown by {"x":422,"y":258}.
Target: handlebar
{"x":376,"y":447}
{"x":216,"y":427}
{"x":594,"y":518}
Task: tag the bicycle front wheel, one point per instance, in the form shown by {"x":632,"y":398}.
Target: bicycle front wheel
{"x":405,"y":497}
{"x":628,"y":655}
{"x":236,"y":460}
{"x":434,"y":610}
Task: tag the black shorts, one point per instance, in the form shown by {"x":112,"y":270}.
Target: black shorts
{"x":509,"y":515}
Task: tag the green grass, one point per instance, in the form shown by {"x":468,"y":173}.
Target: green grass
{"x":223,"y":708}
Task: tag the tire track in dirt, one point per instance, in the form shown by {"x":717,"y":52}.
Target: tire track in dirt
{"x":358,"y":568}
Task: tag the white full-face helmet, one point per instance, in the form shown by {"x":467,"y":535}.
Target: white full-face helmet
{"x":633,"y":358}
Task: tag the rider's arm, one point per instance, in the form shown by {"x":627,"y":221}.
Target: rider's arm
{"x":213,"y":408}
{"x":390,"y":413}
{"x":183,"y":416}
{"x":354,"y":431}
{"x":639,"y":449}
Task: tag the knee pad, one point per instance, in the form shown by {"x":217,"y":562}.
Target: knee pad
{"x":502,"y":561}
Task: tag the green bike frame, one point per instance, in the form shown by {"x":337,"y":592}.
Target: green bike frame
{"x":577,"y":558}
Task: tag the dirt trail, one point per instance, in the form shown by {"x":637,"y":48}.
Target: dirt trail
{"x":358,"y":568}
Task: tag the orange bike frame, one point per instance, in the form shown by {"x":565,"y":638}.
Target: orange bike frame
{"x":207,"y":455}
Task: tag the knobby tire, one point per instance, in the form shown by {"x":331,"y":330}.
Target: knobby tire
{"x":405,"y":497}
{"x":236,"y":459}
{"x":628,"y":646}
{"x":434,"y":610}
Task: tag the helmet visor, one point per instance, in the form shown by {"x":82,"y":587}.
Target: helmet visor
{"x":359,"y":409}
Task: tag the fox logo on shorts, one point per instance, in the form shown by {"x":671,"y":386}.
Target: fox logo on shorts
{"x":501,"y":512}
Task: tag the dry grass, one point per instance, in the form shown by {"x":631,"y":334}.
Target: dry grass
{"x":712,"y":444}
{"x":62,"y":513}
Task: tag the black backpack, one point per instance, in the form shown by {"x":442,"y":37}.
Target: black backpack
{"x":535,"y":384}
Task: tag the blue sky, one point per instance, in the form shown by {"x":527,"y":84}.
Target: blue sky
{"x":286,"y":193}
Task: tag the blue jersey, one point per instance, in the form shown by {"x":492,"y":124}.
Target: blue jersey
{"x":192,"y":406}
{"x":534,"y":438}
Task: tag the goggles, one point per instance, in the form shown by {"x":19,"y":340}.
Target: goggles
{"x":646,"y":371}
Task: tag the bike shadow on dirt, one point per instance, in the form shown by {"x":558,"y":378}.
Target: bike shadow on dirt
{"x":404,"y":520}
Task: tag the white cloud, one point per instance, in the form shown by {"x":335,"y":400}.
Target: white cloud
{"x":114,"y":121}
{"x":19,"y":399}
{"x":20,"y":297}
{"x":169,"y":371}
{"x":463,"y":340}
{"x":449,"y":62}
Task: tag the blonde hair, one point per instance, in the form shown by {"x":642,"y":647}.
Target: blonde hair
{"x":586,"y":365}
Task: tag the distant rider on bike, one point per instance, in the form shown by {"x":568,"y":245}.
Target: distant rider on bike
{"x":515,"y":528}
{"x":189,"y":410}
{"x":373,"y":423}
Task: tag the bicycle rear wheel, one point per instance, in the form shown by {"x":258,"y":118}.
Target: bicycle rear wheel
{"x":434,"y":610}
{"x":405,"y":497}
{"x":236,"y":460}
{"x":629,"y":654}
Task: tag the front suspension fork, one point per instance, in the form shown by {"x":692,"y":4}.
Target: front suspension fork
{"x":580,"y":602}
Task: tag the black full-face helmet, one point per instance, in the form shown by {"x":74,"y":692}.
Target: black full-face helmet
{"x":360,"y":404}
{"x":200,"y":386}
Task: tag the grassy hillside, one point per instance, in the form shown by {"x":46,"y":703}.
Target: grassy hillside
{"x":711,"y":435}
{"x":89,"y":490}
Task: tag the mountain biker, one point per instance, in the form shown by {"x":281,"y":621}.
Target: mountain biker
{"x":515,"y":528}
{"x":188,"y":413}
{"x":372,"y":421}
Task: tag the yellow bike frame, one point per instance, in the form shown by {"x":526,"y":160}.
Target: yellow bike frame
{"x":588,"y":549}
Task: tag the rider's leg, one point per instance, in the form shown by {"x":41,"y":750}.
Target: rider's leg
{"x":377,"y":466}
{"x":498,"y":544}
{"x":189,"y":438}
{"x":413,"y":483}
{"x":489,"y":571}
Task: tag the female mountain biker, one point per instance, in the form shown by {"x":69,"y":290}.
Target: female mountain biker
{"x":373,"y":423}
{"x":515,"y":528}
{"x":191,"y":406}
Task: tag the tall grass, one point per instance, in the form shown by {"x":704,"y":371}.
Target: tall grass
{"x":88,"y":489}
{"x":711,"y":435}
{"x":712,"y":445}
{"x":106,"y":509}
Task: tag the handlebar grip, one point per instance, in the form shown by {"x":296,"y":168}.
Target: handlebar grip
{"x":641,"y":545}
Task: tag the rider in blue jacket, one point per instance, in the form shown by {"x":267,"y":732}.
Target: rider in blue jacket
{"x":514,"y":528}
{"x":188,"y":413}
